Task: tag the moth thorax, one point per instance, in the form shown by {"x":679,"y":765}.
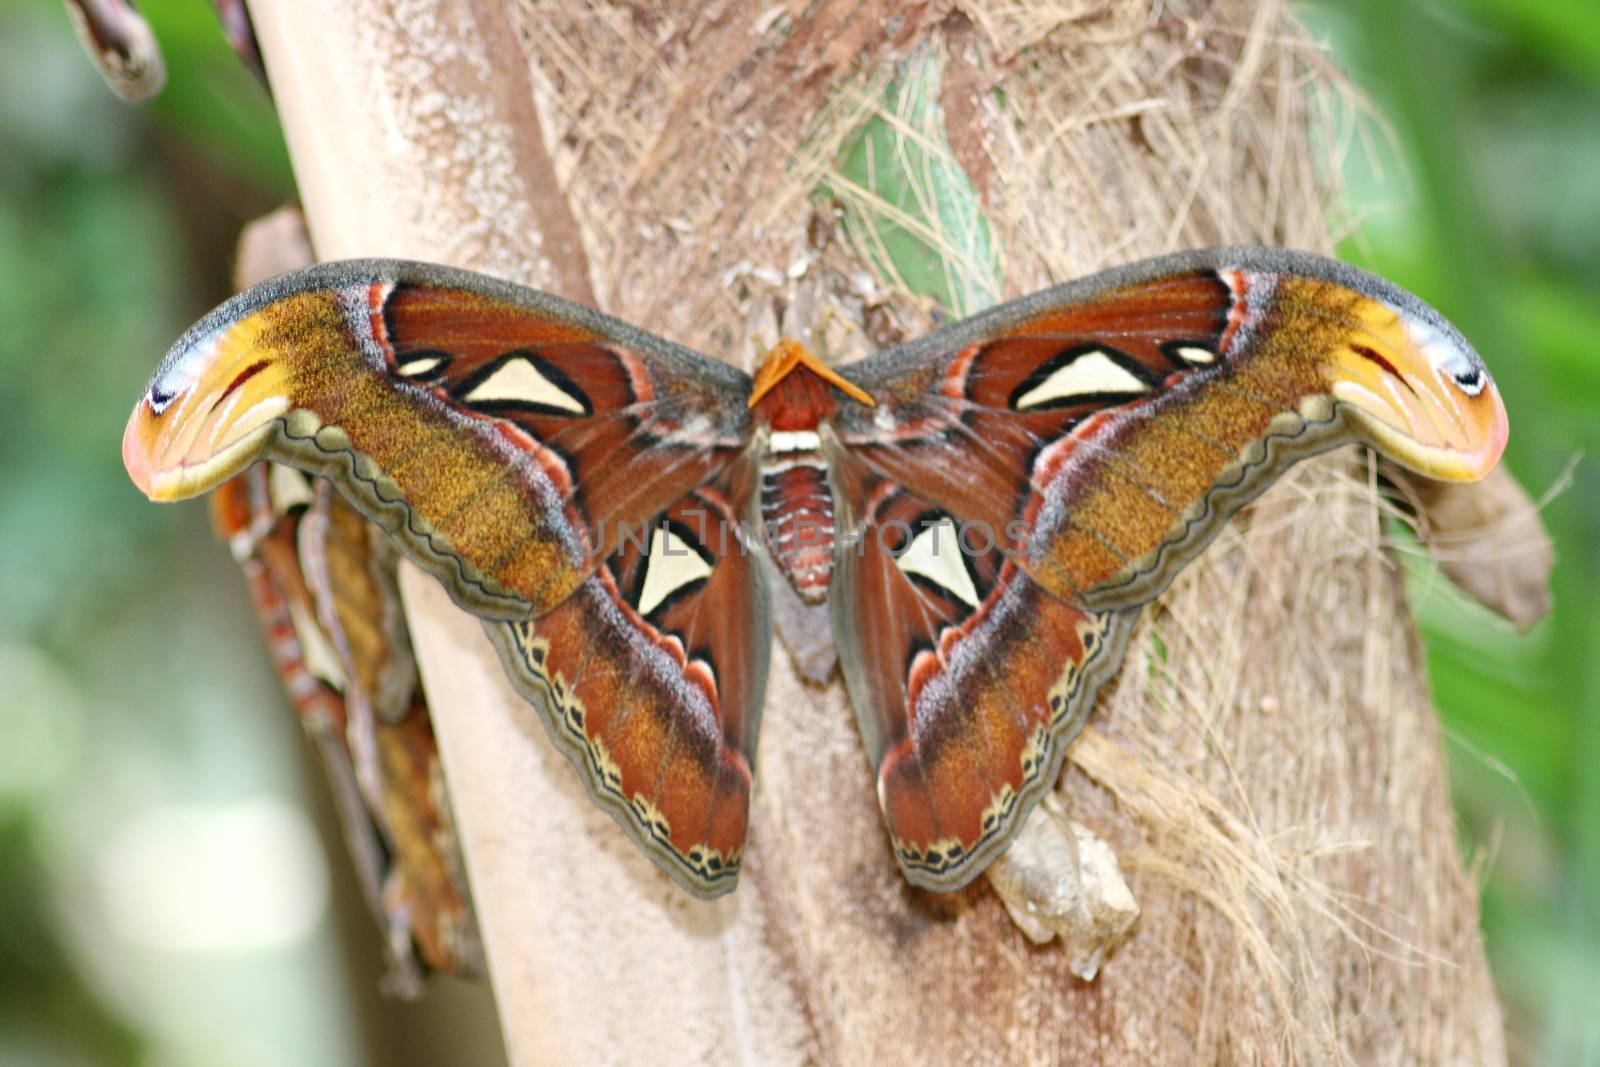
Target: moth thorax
{"x":792,"y":377}
{"x":794,"y":395}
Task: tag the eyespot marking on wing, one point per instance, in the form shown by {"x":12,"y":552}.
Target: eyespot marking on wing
{"x":424,"y":363}
{"x":1077,"y":376}
{"x":522,"y":381}
{"x":1189,"y":353}
{"x":675,"y":564}
{"x":934,"y":554}
{"x":1446,"y":357}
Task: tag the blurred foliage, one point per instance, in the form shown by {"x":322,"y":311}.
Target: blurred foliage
{"x":46,"y":1011}
{"x":215,"y":102}
{"x":1489,"y":207}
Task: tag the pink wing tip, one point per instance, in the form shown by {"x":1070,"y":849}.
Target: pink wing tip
{"x":136,"y":454}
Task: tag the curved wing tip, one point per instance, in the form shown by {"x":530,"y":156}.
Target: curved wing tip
{"x":135,"y":456}
{"x":1416,"y":389}
{"x":710,"y":890}
{"x":1476,"y":463}
{"x":1502,"y":434}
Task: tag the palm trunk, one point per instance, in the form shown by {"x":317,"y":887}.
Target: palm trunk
{"x":1268,"y":767}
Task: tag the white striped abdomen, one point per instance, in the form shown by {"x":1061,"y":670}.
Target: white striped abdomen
{"x":797,"y":512}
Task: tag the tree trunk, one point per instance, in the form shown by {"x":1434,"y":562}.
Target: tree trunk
{"x":1268,"y":767}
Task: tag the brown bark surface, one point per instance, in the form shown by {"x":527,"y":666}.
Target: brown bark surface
{"x":1268,"y":766}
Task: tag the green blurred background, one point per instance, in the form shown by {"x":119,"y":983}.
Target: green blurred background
{"x":167,"y":899}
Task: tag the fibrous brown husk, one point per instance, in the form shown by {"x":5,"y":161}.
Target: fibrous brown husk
{"x":1268,"y":766}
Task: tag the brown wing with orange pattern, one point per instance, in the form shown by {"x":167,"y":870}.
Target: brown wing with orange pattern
{"x":502,"y":436}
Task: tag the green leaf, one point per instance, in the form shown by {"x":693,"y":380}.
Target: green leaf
{"x":908,"y":204}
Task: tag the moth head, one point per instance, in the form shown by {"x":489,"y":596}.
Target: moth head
{"x":788,"y":356}
{"x":1415,"y":389}
{"x":208,"y":410}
